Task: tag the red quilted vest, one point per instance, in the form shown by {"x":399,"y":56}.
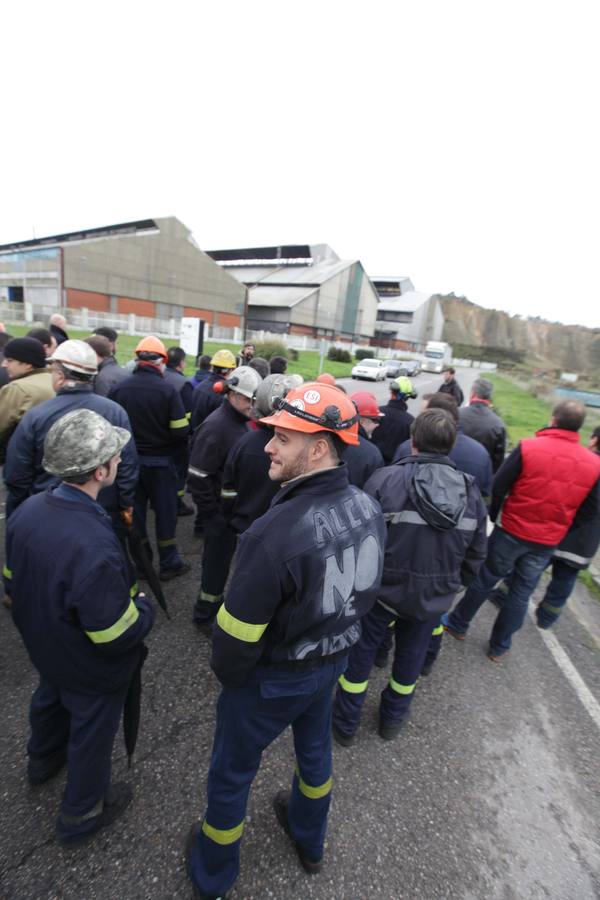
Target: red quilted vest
{"x":556,"y":476}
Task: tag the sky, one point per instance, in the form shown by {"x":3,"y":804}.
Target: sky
{"x":456,"y":143}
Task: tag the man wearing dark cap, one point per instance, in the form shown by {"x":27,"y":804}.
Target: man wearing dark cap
{"x":30,"y":384}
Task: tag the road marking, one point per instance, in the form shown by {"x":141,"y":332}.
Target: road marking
{"x":572,"y":675}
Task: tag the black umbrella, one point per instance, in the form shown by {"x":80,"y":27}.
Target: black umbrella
{"x":138,"y":552}
{"x":131,"y":709}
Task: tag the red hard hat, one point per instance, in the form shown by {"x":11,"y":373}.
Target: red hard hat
{"x":326,"y":378}
{"x":316,"y":407}
{"x":366,"y":405}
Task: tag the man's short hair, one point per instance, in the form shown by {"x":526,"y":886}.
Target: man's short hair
{"x":451,"y":370}
{"x":569,"y":414}
{"x":204,"y":363}
{"x":260,"y":365}
{"x":482,"y":388}
{"x":336,"y":444}
{"x":99,"y":345}
{"x":107,"y":332}
{"x":278,"y":365}
{"x":434,"y":431}
{"x":444,"y":401}
{"x":41,"y":335}
{"x":596,"y":433}
{"x":175,"y":356}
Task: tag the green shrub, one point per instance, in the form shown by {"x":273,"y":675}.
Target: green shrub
{"x":337,"y":354}
{"x":363,"y":353}
{"x":272,"y":348}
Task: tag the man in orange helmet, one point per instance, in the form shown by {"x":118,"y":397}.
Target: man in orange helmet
{"x":160,"y":428}
{"x":314,"y":562}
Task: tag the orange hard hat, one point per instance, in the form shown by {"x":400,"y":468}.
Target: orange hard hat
{"x":153,"y":346}
{"x":315,"y":407}
{"x":366,"y":404}
{"x":326,"y":378}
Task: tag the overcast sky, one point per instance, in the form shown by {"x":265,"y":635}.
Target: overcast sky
{"x":453,"y":142}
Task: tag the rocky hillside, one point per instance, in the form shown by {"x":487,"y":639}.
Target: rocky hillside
{"x":571,"y":348}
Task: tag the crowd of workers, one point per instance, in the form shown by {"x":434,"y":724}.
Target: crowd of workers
{"x":350,"y":527}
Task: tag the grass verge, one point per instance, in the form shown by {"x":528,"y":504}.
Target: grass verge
{"x":306,"y":365}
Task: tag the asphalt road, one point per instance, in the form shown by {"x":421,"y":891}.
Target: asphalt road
{"x":491,"y":791}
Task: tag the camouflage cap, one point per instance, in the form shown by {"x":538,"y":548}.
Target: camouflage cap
{"x":79,"y":442}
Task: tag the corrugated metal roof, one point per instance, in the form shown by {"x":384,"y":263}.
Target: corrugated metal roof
{"x":292,"y":275}
{"x":278,"y":296}
{"x":408,"y":302}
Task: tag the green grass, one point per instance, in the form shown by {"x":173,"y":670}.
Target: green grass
{"x":525,"y":414}
{"x":591,"y":584}
{"x":307,"y":364}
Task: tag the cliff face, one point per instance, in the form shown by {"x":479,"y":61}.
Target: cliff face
{"x":571,"y":348}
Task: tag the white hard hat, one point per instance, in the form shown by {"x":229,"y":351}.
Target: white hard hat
{"x":272,"y":388}
{"x":77,"y":356}
{"x":244,"y":380}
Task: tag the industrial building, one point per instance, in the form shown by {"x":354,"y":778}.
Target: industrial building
{"x":406,"y":319}
{"x":304,"y":289}
{"x":151,"y":268}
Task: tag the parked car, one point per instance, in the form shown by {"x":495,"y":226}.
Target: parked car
{"x":372,"y":369}
{"x":410,"y":367}
{"x":392,"y":367}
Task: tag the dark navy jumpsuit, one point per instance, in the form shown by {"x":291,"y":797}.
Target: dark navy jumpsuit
{"x":83,"y":624}
{"x":306,"y":573}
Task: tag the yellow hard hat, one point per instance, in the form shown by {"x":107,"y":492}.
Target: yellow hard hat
{"x":223,"y":359}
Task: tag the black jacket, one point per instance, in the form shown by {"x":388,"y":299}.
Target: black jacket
{"x":453,"y":388}
{"x":482,"y":424}
{"x":436,"y":538}
{"x":393,"y":430}
{"x":212,"y":443}
{"x":109,"y":374}
{"x":181,"y":384}
{"x":205,"y":400}
{"x":468,"y":456}
{"x":81,"y":619}
{"x":247,"y":490}
{"x":362,"y":460}
{"x":155,"y":410}
{"x":306,"y":573}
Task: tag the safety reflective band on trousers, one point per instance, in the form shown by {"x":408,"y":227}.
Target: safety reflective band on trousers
{"x":439,"y":629}
{"x":210,"y":598}
{"x":401,"y":688}
{"x":353,"y":687}
{"x":79,"y":820}
{"x":178,"y":423}
{"x":133,"y":590}
{"x":557,"y":610}
{"x":6,"y":572}
{"x":228,"y":495}
{"x":223,"y":836}
{"x":130,"y":616}
{"x":243,"y":631}
{"x":168,"y":542}
{"x":314,"y":793}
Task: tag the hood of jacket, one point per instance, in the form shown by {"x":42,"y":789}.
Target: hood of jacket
{"x":438,"y":490}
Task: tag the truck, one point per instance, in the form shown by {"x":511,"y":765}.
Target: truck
{"x":438,"y":356}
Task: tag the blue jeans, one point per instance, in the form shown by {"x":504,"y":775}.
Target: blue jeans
{"x":557,"y":593}
{"x":249,"y":718}
{"x":507,"y":556}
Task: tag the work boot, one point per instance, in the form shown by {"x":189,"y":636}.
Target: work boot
{"x":169,"y":574}
{"x":116,"y":800}
{"x":344,"y":740}
{"x":193,"y":835}
{"x":41,"y":770}
{"x":280,"y":805}
{"x":496,"y":657}
{"x":457,"y":635}
{"x":183,"y":508}
{"x":390,"y":730}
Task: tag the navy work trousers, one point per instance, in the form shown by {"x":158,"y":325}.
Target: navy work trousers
{"x":411,"y":643}
{"x":157,"y":484}
{"x":86,"y":725}
{"x":219,"y":548}
{"x":507,"y":556}
{"x":249,"y":718}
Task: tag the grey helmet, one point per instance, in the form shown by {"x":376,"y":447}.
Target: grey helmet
{"x":243,"y":380}
{"x":272,"y":388}
{"x":81,"y":441}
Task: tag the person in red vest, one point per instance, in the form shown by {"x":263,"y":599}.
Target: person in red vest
{"x":535,"y":496}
